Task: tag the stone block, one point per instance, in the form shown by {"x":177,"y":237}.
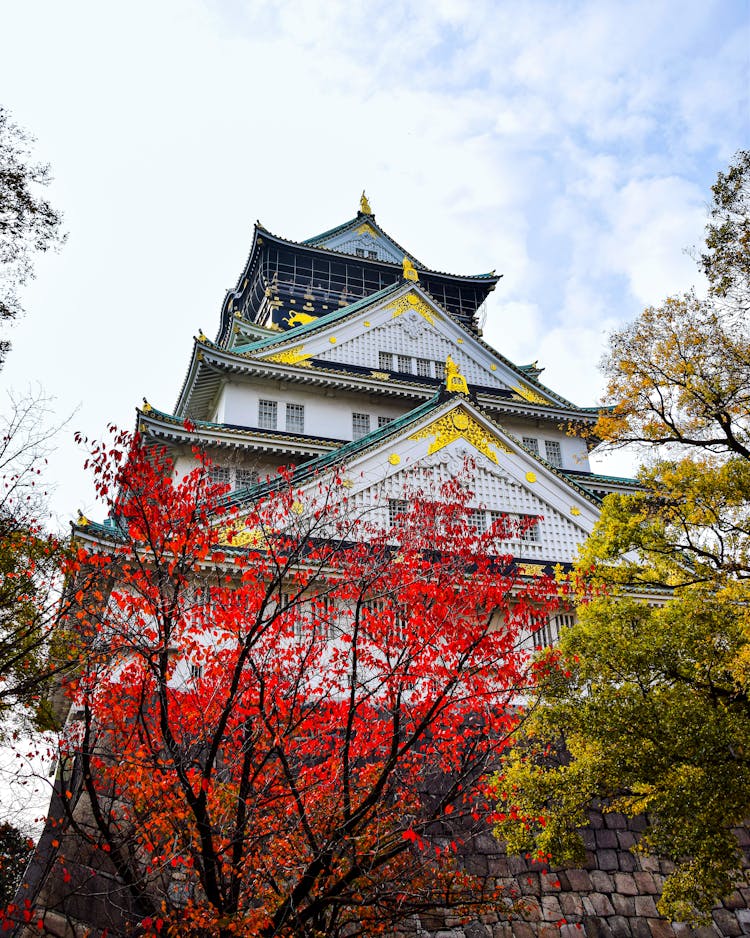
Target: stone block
{"x":589,"y":838}
{"x":637,"y":824}
{"x":579,"y":880}
{"x":645,"y":906}
{"x":528,"y":883}
{"x":639,"y":927}
{"x":596,"y":820}
{"x":572,"y":930}
{"x":650,"y":864}
{"x":597,"y":928}
{"x":476,"y":865}
{"x":588,"y":906}
{"x":628,"y":862}
{"x":548,"y":930}
{"x":660,"y":928}
{"x":550,"y":882}
{"x":626,"y":839}
{"x":591,"y":862}
{"x":727,"y":923}
{"x":551,"y":910}
{"x":623,"y":905}
{"x":615,"y":821}
{"x":522,"y":930}
{"x":601,"y":882}
{"x":735,"y":901}
{"x":601,"y":904}
{"x":571,"y":904}
{"x":620,"y":926}
{"x":607,"y":860}
{"x":530,"y":909}
{"x":645,"y":883}
{"x":742,"y":835}
{"x":743,"y":917}
{"x":625,"y":884}
{"x":475,"y":930}
{"x":606,"y":838}
{"x":498,"y":866}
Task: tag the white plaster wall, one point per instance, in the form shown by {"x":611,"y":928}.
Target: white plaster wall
{"x":327,"y":414}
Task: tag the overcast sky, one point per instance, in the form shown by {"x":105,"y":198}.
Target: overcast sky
{"x":570,"y":145}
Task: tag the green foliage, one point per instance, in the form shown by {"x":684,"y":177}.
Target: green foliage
{"x":645,"y":703}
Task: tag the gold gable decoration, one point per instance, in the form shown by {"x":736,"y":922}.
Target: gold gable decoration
{"x":366,"y":228}
{"x":412,"y":302}
{"x":454,"y":380}
{"x":528,"y":395}
{"x":292,"y":356}
{"x":460,"y":423}
{"x":232,"y":534}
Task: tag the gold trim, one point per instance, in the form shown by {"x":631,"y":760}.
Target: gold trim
{"x":367,"y":229}
{"x":394,"y":459}
{"x":409,"y":271}
{"x":531,"y":477}
{"x":292,"y":356}
{"x":412,"y":301}
{"x":528,"y":395}
{"x":459,"y":423}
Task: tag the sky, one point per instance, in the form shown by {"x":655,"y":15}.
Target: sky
{"x":570,"y":145}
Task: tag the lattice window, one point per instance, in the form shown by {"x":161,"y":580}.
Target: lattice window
{"x":245,"y":477}
{"x":531,"y":443}
{"x":478,"y":520}
{"x":531,"y":533}
{"x":267,"y":415}
{"x":404,"y":363}
{"x":360,"y":252}
{"x":439,"y":370}
{"x":295,"y":418}
{"x":373,"y":255}
{"x":397,"y":507}
{"x":360,"y":425}
{"x":553,"y":453}
{"x":384,"y":421}
{"x":220,"y":475}
{"x":423,"y":368}
{"x":385,"y":361}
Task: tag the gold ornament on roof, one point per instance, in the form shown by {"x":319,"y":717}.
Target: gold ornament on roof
{"x":292,"y":356}
{"x":454,"y":380}
{"x":460,"y":424}
{"x":147,"y":408}
{"x":201,"y":336}
{"x":82,"y":520}
{"x":412,"y":301}
{"x":364,"y":205}
{"x":409,"y":270}
{"x":528,"y":395}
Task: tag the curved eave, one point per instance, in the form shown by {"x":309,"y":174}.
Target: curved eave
{"x":205,"y":377}
{"x":173,"y":431}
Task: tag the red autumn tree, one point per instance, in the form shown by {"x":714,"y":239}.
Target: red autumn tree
{"x":282,"y":708}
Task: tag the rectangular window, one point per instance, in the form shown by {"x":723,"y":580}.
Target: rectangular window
{"x":530,"y":534}
{"x":553,"y":453}
{"x":439,"y":370}
{"x":478,"y":520}
{"x":245,"y":477}
{"x":373,"y":255}
{"x":360,"y":426}
{"x":404,"y":364}
{"x":360,"y":252}
{"x":295,"y":418}
{"x":267,"y":415}
{"x":385,"y":361}
{"x":423,"y":368}
{"x":396,"y":508}
{"x":384,"y":421}
{"x":219,"y":475}
{"x":532,"y":444}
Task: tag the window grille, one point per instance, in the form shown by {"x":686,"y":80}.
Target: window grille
{"x":384,"y":421}
{"x":360,"y":426}
{"x":553,"y":453}
{"x":396,"y":508}
{"x":385,"y":361}
{"x":295,"y":418}
{"x":360,"y":252}
{"x":245,"y":477}
{"x":478,"y":520}
{"x":404,"y":364}
{"x":423,"y":368}
{"x":531,"y":534}
{"x":531,"y":443}
{"x":267,"y":415}
{"x":439,"y":370}
{"x":373,"y":255}
{"x":219,"y":475}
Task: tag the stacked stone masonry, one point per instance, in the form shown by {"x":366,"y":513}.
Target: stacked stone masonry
{"x":613,"y":895}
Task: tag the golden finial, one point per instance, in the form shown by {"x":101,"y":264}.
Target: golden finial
{"x":454,"y":380}
{"x":364,"y":205}
{"x":410,"y":271}
{"x":201,"y":336}
{"x":82,"y":521}
{"x":147,"y":408}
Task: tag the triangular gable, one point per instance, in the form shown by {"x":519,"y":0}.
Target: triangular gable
{"x":362,"y":237}
{"x":432,"y":445}
{"x":399,"y":330}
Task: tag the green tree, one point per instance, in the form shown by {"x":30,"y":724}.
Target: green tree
{"x":645,"y":702}
{"x":28,"y":223}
